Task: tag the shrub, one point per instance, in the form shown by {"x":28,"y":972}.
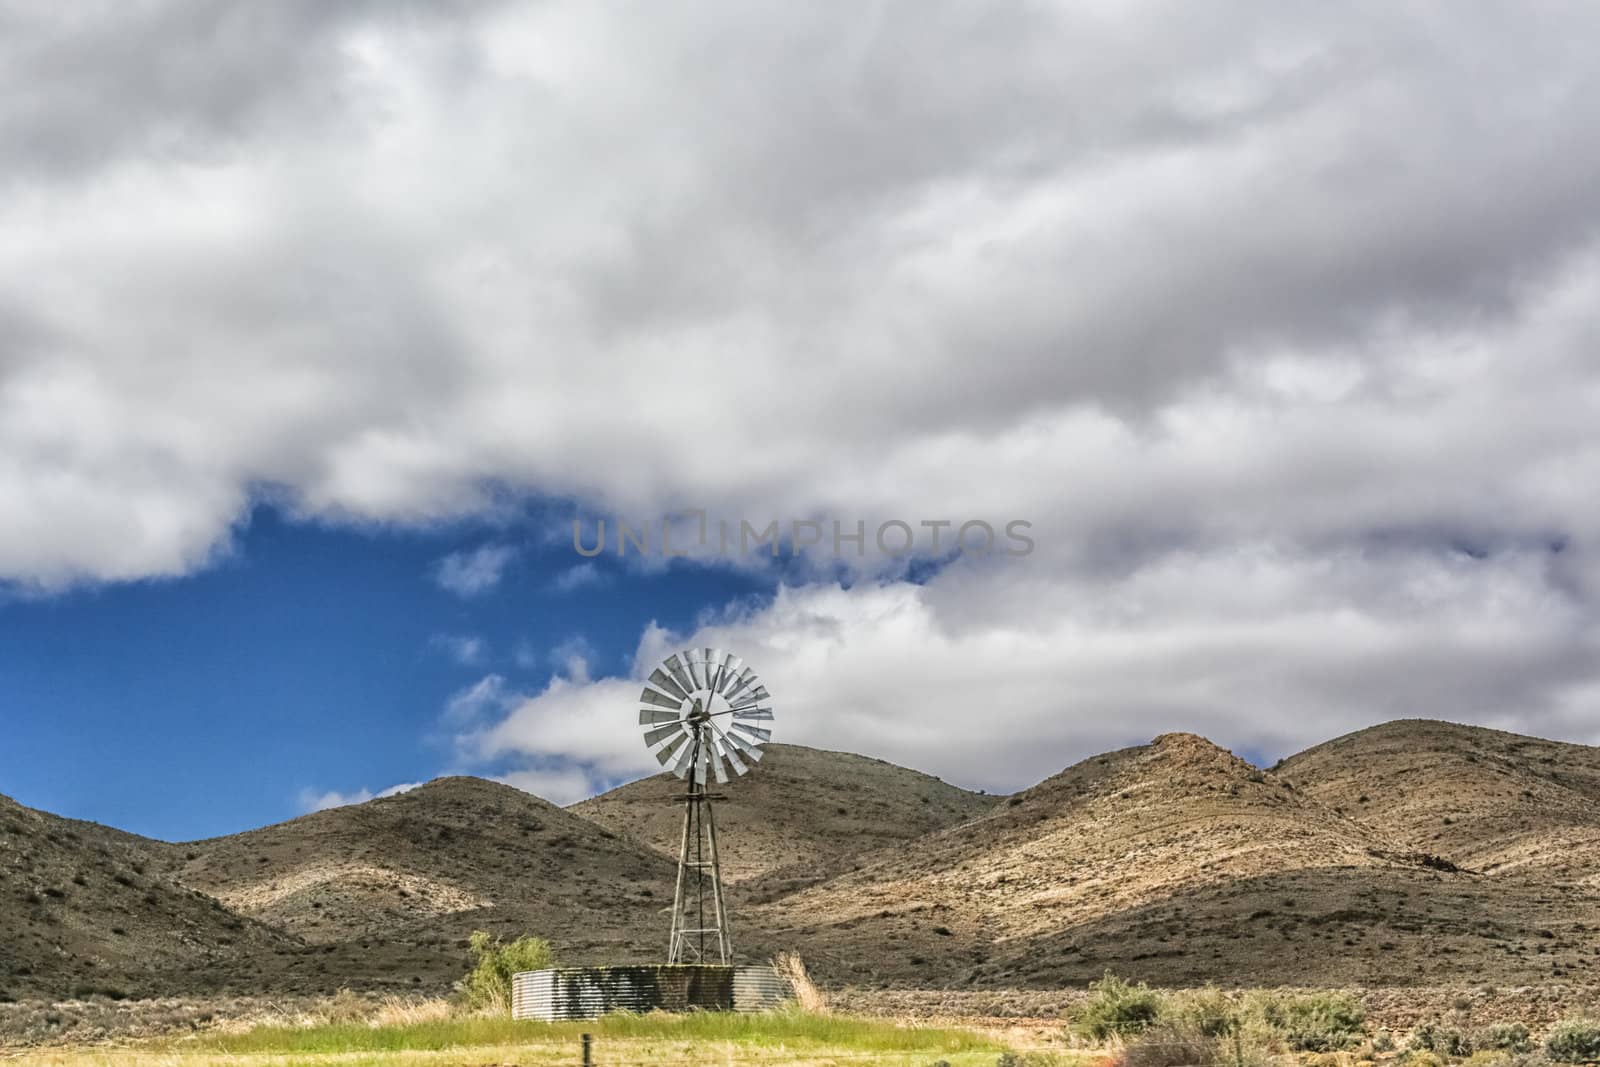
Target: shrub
{"x":1312,"y":1022}
{"x":1485,"y":1057}
{"x":1169,"y":1045}
{"x":1574,"y":1041}
{"x":1181,"y":1044}
{"x":1447,"y":1041}
{"x":488,"y":985}
{"x":1207,"y":1010}
{"x":1505,"y":1037}
{"x":1116,"y":1008}
{"x":1421,"y":1058}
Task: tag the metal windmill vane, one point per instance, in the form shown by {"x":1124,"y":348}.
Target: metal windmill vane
{"x":704,"y":713}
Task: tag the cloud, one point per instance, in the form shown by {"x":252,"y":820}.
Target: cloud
{"x":1257,"y":648}
{"x":476,"y":700}
{"x":579,"y":576}
{"x":353,"y":286}
{"x":468,"y":574}
{"x":1231,"y":304}
{"x":312,"y":800}
{"x":467,"y":650}
{"x":559,"y":786}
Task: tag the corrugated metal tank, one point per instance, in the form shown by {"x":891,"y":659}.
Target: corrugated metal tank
{"x":560,"y":993}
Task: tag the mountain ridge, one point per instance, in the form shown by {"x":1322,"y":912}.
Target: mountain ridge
{"x":1174,"y":861}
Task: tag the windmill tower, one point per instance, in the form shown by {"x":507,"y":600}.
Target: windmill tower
{"x":703,"y":714}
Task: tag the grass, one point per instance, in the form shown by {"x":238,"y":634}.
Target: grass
{"x":784,"y":1037}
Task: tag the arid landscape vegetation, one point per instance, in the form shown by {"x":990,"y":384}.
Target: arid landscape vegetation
{"x":1425,"y":867}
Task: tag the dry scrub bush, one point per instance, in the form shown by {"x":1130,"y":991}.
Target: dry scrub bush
{"x":1574,"y":1041}
{"x":792,"y":969}
{"x":1308,"y":1022}
{"x":1116,"y":1009}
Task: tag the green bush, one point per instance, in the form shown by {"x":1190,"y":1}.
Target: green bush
{"x":488,"y":985}
{"x":1312,"y":1022}
{"x":1574,"y":1041}
{"x":1116,"y":1008}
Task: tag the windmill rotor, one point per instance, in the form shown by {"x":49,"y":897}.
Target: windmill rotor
{"x":708,"y":696}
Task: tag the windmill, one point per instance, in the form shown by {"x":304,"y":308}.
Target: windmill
{"x":680,"y":711}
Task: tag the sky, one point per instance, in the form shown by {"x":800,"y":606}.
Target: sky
{"x":1261,"y":338}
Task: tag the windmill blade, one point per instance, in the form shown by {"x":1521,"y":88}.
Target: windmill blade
{"x":726,"y":748}
{"x":716,"y":763}
{"x":680,"y":762}
{"x":754,"y":713}
{"x":660,"y":700}
{"x":660,"y":734}
{"x":716,"y":668}
{"x":679,"y":673}
{"x":696,"y":660}
{"x":700,"y":765}
{"x":750,"y":751}
{"x":651,"y":717}
{"x":747,"y":678}
{"x":756,"y":733}
{"x":666,"y":751}
{"x":730,"y":672}
{"x":664,"y":682}
{"x":754,"y":696}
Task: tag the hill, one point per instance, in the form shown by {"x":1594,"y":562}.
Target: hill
{"x":409,"y":876}
{"x":801,"y":815}
{"x":88,"y":909}
{"x":1176,"y":862}
{"x":1410,"y":854}
{"x":1483,"y":799}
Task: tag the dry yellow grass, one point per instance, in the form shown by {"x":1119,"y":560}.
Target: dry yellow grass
{"x":792,"y":968}
{"x":784,"y":1038}
{"x":612,"y":1054}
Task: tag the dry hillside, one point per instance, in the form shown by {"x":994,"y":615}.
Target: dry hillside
{"x":1178,"y":862}
{"x":430,"y":865}
{"x":86,"y":909}
{"x":1411,"y":854}
{"x":803,"y":812}
{"x":1488,"y":800}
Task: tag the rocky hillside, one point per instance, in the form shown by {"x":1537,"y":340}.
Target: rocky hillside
{"x":1407,"y":855}
{"x":1181,"y":863}
{"x":1487,"y":800}
{"x":435,"y":863}
{"x":88,"y":910}
{"x":804,"y":812}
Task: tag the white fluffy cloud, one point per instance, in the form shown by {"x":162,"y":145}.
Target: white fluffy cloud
{"x":1107,"y":266}
{"x":314,"y":800}
{"x":1276,"y":322}
{"x":1253,"y":647}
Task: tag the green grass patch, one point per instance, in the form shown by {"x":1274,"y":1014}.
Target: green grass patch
{"x":791,"y":1029}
